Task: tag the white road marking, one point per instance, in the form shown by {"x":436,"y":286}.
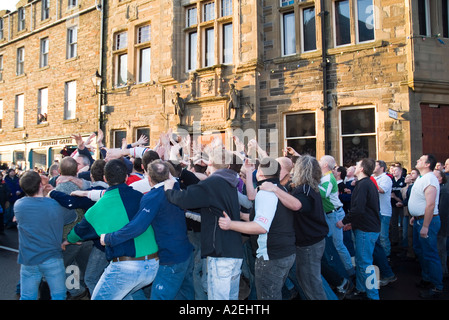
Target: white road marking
{"x":9,"y":249}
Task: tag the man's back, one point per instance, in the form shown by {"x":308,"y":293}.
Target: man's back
{"x":40,"y":224}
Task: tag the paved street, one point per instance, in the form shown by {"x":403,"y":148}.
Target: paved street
{"x":403,"y":289}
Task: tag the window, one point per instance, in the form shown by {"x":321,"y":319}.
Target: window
{"x":227,"y":43}
{"x":72,"y":39}
{"x":342,"y":23}
{"x":121,"y":40}
{"x":43,"y":60}
{"x":192,"y":39}
{"x":365,"y":20}
{"x":226,"y":8}
{"x":121,"y":58}
{"x":300,"y":132}
{"x":20,"y":61}
{"x":19,"y":111}
{"x":122,"y":70}
{"x":144,"y":34}
{"x":358,"y":134}
{"x":70,"y":100}
{"x":20,"y":19}
{"x":45,"y":10}
{"x":445,"y":13}
{"x":1,"y":28}
{"x":424,"y":17}
{"x":209,"y":47}
{"x":308,"y":29}
{"x":118,"y":136}
{"x":1,"y":67}
{"x":144,"y":64}
{"x":1,"y":114}
{"x":285,"y":3}
{"x":145,"y":132}
{"x":42,"y":105}
{"x":72,"y":4}
{"x":208,"y":11}
{"x":191,"y":17}
{"x":144,"y":53}
{"x":288,"y":34}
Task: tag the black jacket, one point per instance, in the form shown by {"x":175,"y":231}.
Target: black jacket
{"x":214,"y":195}
{"x":365,"y":211}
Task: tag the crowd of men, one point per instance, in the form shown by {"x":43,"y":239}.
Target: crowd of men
{"x":188,"y":221}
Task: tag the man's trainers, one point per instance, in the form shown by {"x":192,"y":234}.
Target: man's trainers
{"x":345,"y":288}
{"x":433,"y":293}
{"x":383,"y":282}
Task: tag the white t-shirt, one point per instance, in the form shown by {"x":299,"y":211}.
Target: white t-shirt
{"x":385,"y":183}
{"x":417,"y":201}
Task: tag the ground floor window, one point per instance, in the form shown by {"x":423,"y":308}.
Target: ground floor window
{"x":300,"y":132}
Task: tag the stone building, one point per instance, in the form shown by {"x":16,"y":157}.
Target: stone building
{"x":49,"y":51}
{"x":350,"y":78}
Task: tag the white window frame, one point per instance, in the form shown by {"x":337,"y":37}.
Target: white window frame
{"x":1,"y":113}
{"x":356,"y":12}
{"x":300,"y":137}
{"x":19,"y":110}
{"x":204,"y":17}
{"x":43,"y":55}
{"x":45,"y":9}
{"x":42,"y":101}
{"x":70,"y":100}
{"x":140,"y":66}
{"x":1,"y":28}
{"x":334,"y":25}
{"x":205,"y":46}
{"x":189,"y":49}
{"x":190,"y":18}
{"x":226,"y":5}
{"x":20,"y":61}
{"x":72,"y":42}
{"x":341,"y":136}
{"x":428,"y":24}
{"x":1,"y":67}
{"x":283,"y":54}
{"x":222,"y":42}
{"x":301,"y":21}
{"x":21,"y":23}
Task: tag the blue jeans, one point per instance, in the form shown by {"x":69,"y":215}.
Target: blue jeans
{"x":95,"y":266}
{"x":337,"y":238}
{"x":364,"y":248}
{"x":30,"y":277}
{"x":174,"y":281}
{"x":223,"y":278}
{"x":121,"y":279}
{"x":426,"y":249}
{"x":199,"y":267}
{"x":270,"y":276}
{"x":384,"y":234}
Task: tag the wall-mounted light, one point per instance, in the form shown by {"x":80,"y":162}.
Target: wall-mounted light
{"x":96,"y":81}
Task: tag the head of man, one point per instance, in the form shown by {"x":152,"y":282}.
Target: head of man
{"x":286,"y":167}
{"x":30,"y":183}
{"x":339,"y":172}
{"x":426,"y":163}
{"x":414,"y":174}
{"x":83,"y":162}
{"x":441,"y":176}
{"x":158,"y":171}
{"x":149,"y":157}
{"x":365,"y":168}
{"x":68,"y":167}
{"x":350,"y":171}
{"x":115,"y":172}
{"x":268,"y":168}
{"x":446,"y":165}
{"x":97,"y":170}
{"x":397,"y":172}
{"x":380,"y":167}
{"x":327,"y":163}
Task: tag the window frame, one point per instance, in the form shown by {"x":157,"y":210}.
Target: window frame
{"x":283,"y":47}
{"x":356,"y":23}
{"x":224,"y":58}
{"x":45,"y":9}
{"x":427,"y":19}
{"x":340,"y":128}
{"x":69,"y":104}
{"x":21,"y":19}
{"x":42,"y":109}
{"x":143,"y":44}
{"x":20,"y":61}
{"x":286,"y":139}
{"x":334,"y":24}
{"x":19,"y":111}
{"x":72,"y":46}
{"x":43,"y":55}
{"x":302,"y":33}
{"x":1,"y":67}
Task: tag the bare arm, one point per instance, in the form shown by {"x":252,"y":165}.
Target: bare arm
{"x":286,"y":199}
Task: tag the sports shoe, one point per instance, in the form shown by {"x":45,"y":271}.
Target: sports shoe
{"x":345,"y":288}
{"x":383,"y":282}
{"x":433,"y":293}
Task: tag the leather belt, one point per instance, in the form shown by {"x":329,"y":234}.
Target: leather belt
{"x":422,"y":217}
{"x":125,"y":258}
{"x":334,"y":210}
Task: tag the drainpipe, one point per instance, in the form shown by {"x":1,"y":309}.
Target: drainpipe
{"x":101,"y":98}
{"x":326,"y":107}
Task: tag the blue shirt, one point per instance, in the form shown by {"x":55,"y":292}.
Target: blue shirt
{"x":40,"y":224}
{"x":169,"y":225}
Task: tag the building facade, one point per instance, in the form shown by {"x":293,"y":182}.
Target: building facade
{"x":350,"y":78}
